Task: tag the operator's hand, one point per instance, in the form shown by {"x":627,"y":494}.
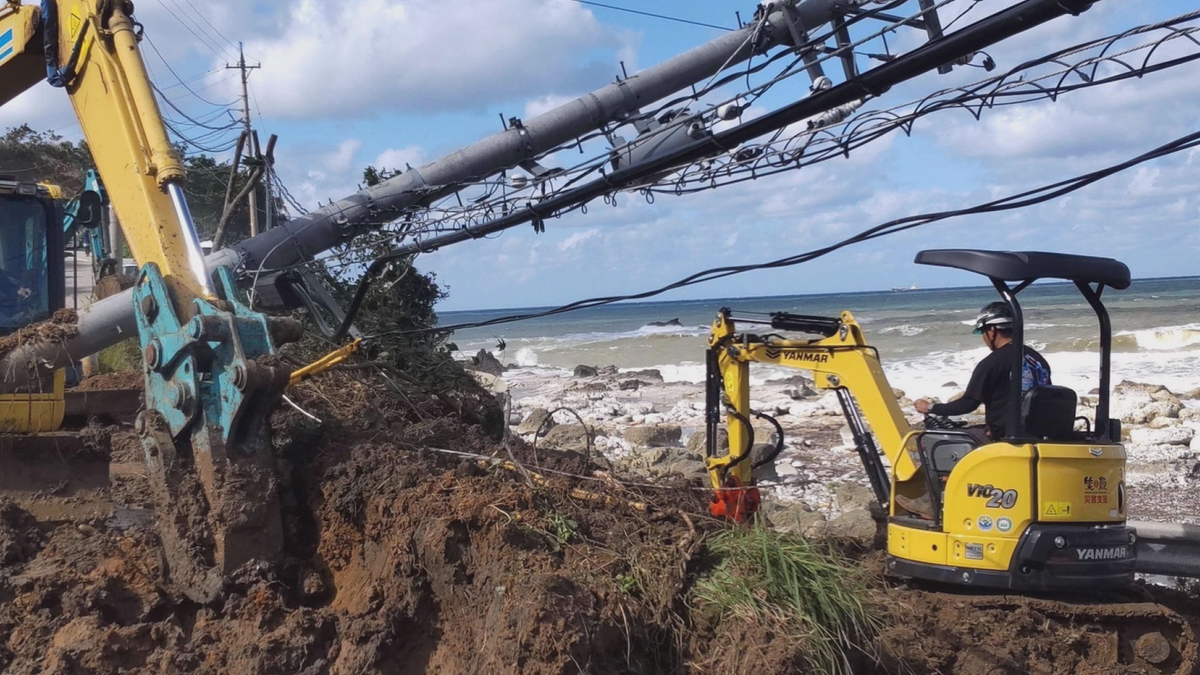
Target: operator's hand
{"x":922,"y":406}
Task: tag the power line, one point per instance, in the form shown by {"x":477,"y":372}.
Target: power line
{"x":180,"y":80}
{"x":653,"y":15}
{"x":1020,"y":200}
{"x":205,"y":20}
{"x":208,"y":43}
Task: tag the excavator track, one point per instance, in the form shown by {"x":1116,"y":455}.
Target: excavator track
{"x":1116,"y":632}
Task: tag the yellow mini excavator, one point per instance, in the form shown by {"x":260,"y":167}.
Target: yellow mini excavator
{"x":1041,"y":509}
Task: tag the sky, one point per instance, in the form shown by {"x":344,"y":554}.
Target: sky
{"x":394,"y":83}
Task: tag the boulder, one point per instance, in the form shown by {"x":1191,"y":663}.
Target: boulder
{"x":586,"y":371}
{"x":654,"y":436}
{"x":853,"y":497}
{"x":1163,"y":422}
{"x":856,"y":527}
{"x":659,"y":462}
{"x":1179,"y":435}
{"x":647,"y":375}
{"x":951,"y":383}
{"x":572,"y":437}
{"x":795,"y":518}
{"x":533,"y":421}
{"x":629,"y":385}
{"x":606,"y":370}
{"x":1189,"y":415}
{"x":1191,"y":395}
{"x":696,"y":442}
{"x":484,"y":362}
{"x":801,"y":390}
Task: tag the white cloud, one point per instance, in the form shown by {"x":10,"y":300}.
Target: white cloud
{"x":397,"y":159}
{"x":573,"y":241}
{"x":336,"y":59}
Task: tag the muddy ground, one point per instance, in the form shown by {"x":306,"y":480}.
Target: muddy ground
{"x":405,"y":559}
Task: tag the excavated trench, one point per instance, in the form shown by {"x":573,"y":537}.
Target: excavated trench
{"x":405,"y":559}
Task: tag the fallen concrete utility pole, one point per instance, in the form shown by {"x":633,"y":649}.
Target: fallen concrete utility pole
{"x":110,"y":321}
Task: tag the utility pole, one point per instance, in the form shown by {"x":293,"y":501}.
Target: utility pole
{"x":245,"y":70}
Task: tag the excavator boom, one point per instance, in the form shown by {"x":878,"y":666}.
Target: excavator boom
{"x":211,"y":380}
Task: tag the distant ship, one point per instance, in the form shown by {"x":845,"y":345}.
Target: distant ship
{"x":901,"y":290}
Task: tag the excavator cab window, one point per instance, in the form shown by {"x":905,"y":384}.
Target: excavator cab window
{"x":30,"y":261}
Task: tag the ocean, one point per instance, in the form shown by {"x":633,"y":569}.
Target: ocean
{"x":924,"y":336}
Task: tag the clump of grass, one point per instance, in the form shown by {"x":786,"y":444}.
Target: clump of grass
{"x":793,"y":590}
{"x":120,"y":357}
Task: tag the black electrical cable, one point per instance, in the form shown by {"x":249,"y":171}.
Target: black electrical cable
{"x":653,"y":15}
{"x":1015,"y":201}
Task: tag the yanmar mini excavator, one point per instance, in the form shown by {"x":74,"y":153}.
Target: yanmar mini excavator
{"x":1041,"y":509}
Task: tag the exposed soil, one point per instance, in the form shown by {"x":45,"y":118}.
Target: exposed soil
{"x":61,"y":326}
{"x":404,"y":558}
{"x":125,"y":379}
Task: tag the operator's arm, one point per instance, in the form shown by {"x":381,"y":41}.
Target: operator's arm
{"x":974,"y":396}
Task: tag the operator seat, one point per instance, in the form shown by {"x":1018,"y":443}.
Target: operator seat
{"x":1048,"y":413}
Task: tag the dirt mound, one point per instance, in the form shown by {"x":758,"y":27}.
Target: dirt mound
{"x":419,"y":542}
{"x":125,"y":379}
{"x":61,"y":326}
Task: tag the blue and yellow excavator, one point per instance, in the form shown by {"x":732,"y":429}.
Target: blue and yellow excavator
{"x":211,"y":378}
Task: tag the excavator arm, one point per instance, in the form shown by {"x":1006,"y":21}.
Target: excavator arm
{"x":211,"y":379}
{"x":839,"y":359}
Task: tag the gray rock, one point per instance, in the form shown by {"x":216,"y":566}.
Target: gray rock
{"x":654,"y":436}
{"x":951,"y":383}
{"x":646,"y":375}
{"x":1169,"y":436}
{"x":660,"y":462}
{"x":606,"y":370}
{"x":629,"y":385}
{"x":586,"y":371}
{"x":573,"y":437}
{"x":801,"y":390}
{"x":1191,"y":395}
{"x":853,"y":497}
{"x":795,"y":518}
{"x":855,"y":526}
{"x":1164,"y":422}
{"x":696,"y":443}
{"x":484,"y":362}
{"x":534,"y":420}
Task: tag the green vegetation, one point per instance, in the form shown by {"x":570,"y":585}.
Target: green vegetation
{"x":120,"y":357}
{"x":46,"y":157}
{"x":792,"y":590}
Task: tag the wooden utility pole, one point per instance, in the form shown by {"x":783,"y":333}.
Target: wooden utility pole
{"x":245,"y":71}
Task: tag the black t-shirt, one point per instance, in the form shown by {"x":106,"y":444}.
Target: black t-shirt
{"x":990,"y":385}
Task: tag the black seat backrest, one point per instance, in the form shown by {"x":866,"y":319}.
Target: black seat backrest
{"x":1048,"y":412}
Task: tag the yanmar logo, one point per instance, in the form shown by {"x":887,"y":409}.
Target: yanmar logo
{"x":1114,"y":553}
{"x":797,"y":355}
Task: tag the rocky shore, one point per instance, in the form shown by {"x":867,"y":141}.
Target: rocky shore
{"x":644,"y":429}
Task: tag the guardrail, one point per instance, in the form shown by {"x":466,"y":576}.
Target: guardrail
{"x":1171,"y":549}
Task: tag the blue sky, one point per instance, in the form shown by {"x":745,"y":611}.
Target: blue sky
{"x":393,"y":83}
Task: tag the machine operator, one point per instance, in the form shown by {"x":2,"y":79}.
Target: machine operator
{"x":990,"y":383}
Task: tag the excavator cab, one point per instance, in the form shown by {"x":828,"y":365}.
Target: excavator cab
{"x":31,"y":262}
{"x":32,"y":288}
{"x":1044,"y":507}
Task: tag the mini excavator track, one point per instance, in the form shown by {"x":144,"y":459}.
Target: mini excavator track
{"x":1133,"y":635}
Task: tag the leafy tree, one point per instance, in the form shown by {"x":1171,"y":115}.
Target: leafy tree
{"x":398,"y":309}
{"x":44,"y":156}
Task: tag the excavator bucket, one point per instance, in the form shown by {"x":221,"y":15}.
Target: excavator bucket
{"x":211,"y":384}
